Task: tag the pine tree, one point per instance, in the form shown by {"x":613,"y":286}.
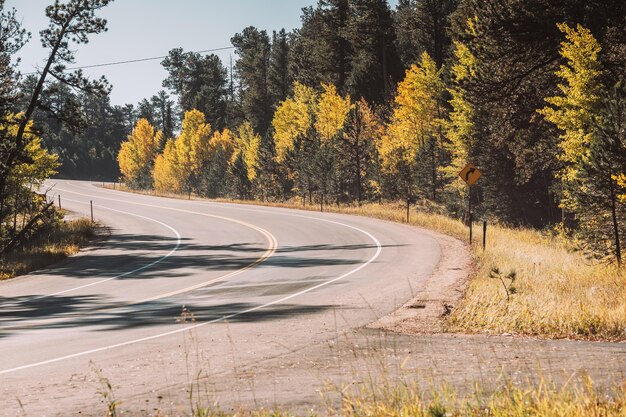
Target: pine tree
{"x":252,"y":68}
{"x":320,"y":50}
{"x":374,"y":64}
{"x":423,"y":26}
{"x":69,"y":23}
{"x":278,"y":78}
{"x":200,"y":82}
{"x":362,"y":130}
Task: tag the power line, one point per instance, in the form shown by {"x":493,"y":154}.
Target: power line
{"x":132,"y":61}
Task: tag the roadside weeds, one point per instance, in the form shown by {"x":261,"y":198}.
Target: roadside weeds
{"x":62,"y":240}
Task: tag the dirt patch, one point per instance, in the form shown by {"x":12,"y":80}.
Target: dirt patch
{"x":427,"y":311}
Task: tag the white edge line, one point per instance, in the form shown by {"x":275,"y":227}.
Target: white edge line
{"x":229,"y":316}
{"x":161,"y":259}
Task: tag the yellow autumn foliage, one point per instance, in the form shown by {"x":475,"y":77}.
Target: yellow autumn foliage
{"x":572,"y":112}
{"x":178,"y":167}
{"x":332,"y":111}
{"x":137,"y":154}
{"x":166,"y":174}
{"x":459,"y":128}
{"x":38,"y":164}
{"x":223,"y":141}
{"x":247,"y":143}
{"x":293,"y":118}
{"x":416,"y":114}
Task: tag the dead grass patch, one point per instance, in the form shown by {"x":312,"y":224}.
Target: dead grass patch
{"x":48,"y":247}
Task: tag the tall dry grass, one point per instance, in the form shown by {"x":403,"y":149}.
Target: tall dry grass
{"x":542,"y":400}
{"x":556,"y":292}
{"x":57,"y":243}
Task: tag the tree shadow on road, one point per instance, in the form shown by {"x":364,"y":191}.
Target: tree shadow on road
{"x":147,"y":257}
{"x":96,"y":314}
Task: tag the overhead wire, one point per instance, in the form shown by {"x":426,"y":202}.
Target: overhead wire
{"x":131,"y":61}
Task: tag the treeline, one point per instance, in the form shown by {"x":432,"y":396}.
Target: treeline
{"x":364,"y":103}
{"x":85,"y":130}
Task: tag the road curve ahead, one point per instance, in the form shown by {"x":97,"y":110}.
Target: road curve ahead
{"x":189,"y":291}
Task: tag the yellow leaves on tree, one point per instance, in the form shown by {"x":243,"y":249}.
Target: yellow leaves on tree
{"x":38,"y":164}
{"x":459,"y":128}
{"x":166,"y":172}
{"x":293,"y":118}
{"x":332,"y":110}
{"x":178,"y":167}
{"x":416,"y":116}
{"x":137,"y":154}
{"x":247,"y":144}
{"x":573,"y":111}
{"x":192,"y":146}
{"x":221,"y":144}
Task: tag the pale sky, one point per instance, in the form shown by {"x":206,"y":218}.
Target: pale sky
{"x":150,"y":28}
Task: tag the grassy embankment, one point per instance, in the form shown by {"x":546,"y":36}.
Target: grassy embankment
{"x":62,"y":240}
{"x":525,"y":282}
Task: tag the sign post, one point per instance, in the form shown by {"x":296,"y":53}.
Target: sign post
{"x":470,"y":174}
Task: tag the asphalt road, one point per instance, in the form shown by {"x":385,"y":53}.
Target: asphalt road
{"x":183,"y":293}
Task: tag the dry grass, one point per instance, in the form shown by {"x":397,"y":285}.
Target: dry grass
{"x":544,"y":400}
{"x":556,"y":292}
{"x":408,"y":399}
{"x":49,"y":247}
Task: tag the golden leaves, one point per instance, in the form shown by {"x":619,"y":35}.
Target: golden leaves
{"x":293,"y":118}
{"x":572,"y":112}
{"x":332,"y":111}
{"x":138,"y":152}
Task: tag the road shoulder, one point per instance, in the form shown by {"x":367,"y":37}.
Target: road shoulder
{"x":438,"y":294}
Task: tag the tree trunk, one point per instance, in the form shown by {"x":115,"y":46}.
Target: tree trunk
{"x":434,"y":169}
{"x":618,"y":251}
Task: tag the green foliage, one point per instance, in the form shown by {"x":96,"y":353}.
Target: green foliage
{"x":278,"y":77}
{"x":253,"y":47}
{"x":200,"y":82}
{"x":423,"y":26}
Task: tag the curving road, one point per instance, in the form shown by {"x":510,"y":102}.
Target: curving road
{"x":195,"y":295}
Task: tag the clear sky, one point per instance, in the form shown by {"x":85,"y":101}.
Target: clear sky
{"x":149,"y":28}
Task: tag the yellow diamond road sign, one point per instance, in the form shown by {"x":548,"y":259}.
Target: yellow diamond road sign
{"x":470,"y":174}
